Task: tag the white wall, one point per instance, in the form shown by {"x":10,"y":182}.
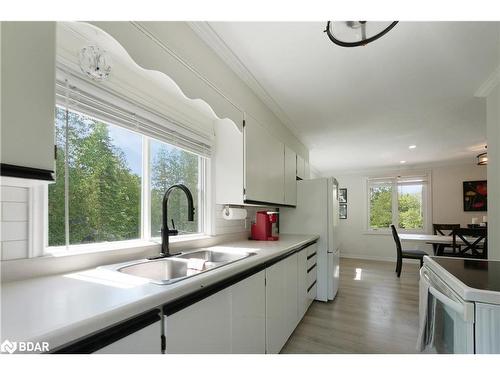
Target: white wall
{"x":447,"y":193}
{"x":447,"y":207}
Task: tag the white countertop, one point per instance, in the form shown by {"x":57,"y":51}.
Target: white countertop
{"x":62,"y":308}
{"x":466,"y":292}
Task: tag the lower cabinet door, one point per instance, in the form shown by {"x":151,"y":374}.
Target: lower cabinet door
{"x":275,"y":308}
{"x":248,"y":315}
{"x":487,"y":327}
{"x":202,"y":328}
{"x":144,"y":341}
{"x":281,"y":303}
{"x":303,"y":302}
{"x":291,"y":291}
{"x":230,"y":321}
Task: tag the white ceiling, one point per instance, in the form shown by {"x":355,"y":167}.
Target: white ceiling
{"x":357,"y":108}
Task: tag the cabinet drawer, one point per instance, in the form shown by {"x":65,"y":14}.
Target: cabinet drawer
{"x":311,"y":292}
{"x":312,"y":249}
{"x":311,"y":259}
{"x":312,"y":274}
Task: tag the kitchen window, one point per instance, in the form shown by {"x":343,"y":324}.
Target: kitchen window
{"x":402,"y":201}
{"x":111,"y":173}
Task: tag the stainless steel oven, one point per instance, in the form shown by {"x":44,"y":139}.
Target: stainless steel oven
{"x":446,"y":319}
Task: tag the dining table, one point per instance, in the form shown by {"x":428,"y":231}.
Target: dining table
{"x":431,"y":239}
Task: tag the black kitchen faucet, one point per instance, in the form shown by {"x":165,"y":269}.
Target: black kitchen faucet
{"x":165,"y":231}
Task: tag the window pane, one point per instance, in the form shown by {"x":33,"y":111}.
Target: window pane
{"x":380,"y":206}
{"x":410,"y":206}
{"x":169,"y":166}
{"x":105,"y":171}
{"x":56,"y":190}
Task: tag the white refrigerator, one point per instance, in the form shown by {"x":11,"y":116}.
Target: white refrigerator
{"x":317,"y":213}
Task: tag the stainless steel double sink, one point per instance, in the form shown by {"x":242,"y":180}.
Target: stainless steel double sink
{"x":173,"y":269}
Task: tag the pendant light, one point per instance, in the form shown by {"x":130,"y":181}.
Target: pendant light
{"x":356,"y":33}
{"x":482,"y":159}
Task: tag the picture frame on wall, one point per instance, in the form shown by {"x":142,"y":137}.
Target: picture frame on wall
{"x":475,"y":195}
{"x":343,"y":211}
{"x":343,"y":195}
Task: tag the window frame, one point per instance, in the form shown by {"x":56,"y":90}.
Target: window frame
{"x":426,"y":204}
{"x":203,"y":206}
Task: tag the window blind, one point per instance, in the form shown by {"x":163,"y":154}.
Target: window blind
{"x":88,"y":98}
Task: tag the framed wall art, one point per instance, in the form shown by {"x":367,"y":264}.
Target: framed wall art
{"x":475,"y":195}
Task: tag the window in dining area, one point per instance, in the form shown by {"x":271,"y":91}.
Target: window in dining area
{"x":401,"y":201}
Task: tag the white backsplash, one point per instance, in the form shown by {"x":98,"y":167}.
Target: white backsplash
{"x":14,"y":222}
{"x":223,"y":226}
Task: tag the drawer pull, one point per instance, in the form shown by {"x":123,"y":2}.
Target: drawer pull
{"x":314,"y":283}
{"x":311,"y":268}
{"x":310,"y":256}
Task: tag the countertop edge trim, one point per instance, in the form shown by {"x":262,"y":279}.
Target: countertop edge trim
{"x":109,"y":335}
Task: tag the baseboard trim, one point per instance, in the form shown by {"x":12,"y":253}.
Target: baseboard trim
{"x":376,"y":258}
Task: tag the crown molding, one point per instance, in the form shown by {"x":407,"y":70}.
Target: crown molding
{"x":217,"y":44}
{"x":491,"y":82}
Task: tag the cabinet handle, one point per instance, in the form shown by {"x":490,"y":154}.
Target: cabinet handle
{"x":311,"y":268}
{"x":314,"y":283}
{"x":310,"y":256}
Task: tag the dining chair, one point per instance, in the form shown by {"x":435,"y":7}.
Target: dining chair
{"x":408,"y":254}
{"x":475,"y":242}
{"x":443,"y":230}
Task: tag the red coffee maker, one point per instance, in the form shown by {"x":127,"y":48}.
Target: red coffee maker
{"x":265,"y":226}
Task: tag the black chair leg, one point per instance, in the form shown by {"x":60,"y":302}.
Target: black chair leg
{"x":399,"y":266}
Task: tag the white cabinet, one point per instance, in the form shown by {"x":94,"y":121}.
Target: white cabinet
{"x":290,"y":178}
{"x":307,"y":276}
{"x":281,"y":302}
{"x":255,"y":315}
{"x":264,"y":165}
{"x":202,"y":328}
{"x":229,"y":321}
{"x":248,"y":315}
{"x":144,"y":341}
{"x":228,"y":158}
{"x":301,"y":171}
{"x":275,"y":308}
{"x":302,"y":283}
{"x":28,"y":96}
{"x":252,"y":166}
{"x":291,"y":287}
{"x":487,"y":328}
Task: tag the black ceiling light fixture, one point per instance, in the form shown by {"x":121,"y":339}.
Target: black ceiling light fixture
{"x":356,"y":33}
{"x":482,"y":159}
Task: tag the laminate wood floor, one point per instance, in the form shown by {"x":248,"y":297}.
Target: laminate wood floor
{"x":374,"y":312}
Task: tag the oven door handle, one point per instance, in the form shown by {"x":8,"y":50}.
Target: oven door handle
{"x":445,"y":300}
{"x":464,"y":309}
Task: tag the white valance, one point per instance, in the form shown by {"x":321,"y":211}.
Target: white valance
{"x":95,"y":101}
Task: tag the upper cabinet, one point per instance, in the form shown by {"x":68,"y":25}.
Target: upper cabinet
{"x":301,"y":168}
{"x":28,"y":52}
{"x":264,"y":165}
{"x":252,"y":166}
{"x":290,"y":180}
